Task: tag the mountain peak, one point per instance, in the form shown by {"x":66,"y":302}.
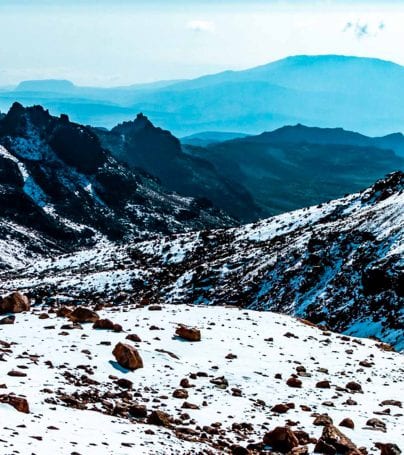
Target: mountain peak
{"x":142,"y":121}
{"x":46,"y":85}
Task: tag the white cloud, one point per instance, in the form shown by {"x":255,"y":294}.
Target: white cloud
{"x":364,"y":29}
{"x":201,"y":26}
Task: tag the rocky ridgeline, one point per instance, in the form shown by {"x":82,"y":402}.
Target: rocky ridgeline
{"x":338,"y":265}
{"x":182,"y":379}
{"x":60,"y":189}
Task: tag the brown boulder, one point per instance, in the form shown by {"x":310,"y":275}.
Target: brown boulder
{"x":323,"y":384}
{"x":138,"y":410}
{"x":63,"y":312}
{"x":104,"y":324}
{"x":388,"y":449}
{"x":124,"y":383}
{"x":280,"y":408}
{"x":127,"y":356}
{"x":347,"y":422}
{"x":7,"y":320}
{"x":159,"y":418}
{"x":188,"y":333}
{"x":322,"y":420}
{"x":133,"y":337}
{"x":14,"y":303}
{"x":282,"y":439}
{"x":294,"y":382}
{"x":377,"y":424}
{"x":82,"y":314}
{"x":354,"y":386}
{"x":19,"y":403}
{"x":333,"y":440}
{"x":180,"y":393}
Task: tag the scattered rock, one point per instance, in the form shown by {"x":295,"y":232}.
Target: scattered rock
{"x":104,"y":324}
{"x":180,"y":393}
{"x":354,"y":386}
{"x":280,"y":408}
{"x":154,"y":308}
{"x":159,"y":418}
{"x":188,"y":333}
{"x":124,"y":383}
{"x":16,"y":374}
{"x":391,"y":403}
{"x":82,"y":315}
{"x":133,"y":337}
{"x":323,"y":385}
{"x":388,"y":449}
{"x":138,"y":410}
{"x":347,"y":422}
{"x":63,"y":312}
{"x":294,"y":382}
{"x":282,"y":439}
{"x":7,"y":320}
{"x":19,"y":403}
{"x":376,"y":424}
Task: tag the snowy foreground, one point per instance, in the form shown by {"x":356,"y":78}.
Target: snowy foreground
{"x":59,"y":362}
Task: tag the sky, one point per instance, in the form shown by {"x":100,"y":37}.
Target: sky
{"x":122,"y":42}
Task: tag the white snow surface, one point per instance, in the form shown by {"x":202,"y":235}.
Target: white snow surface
{"x":245,"y":334}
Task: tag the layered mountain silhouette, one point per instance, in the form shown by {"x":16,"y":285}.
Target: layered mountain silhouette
{"x":297,"y":166}
{"x":140,"y":144}
{"x":360,"y":94}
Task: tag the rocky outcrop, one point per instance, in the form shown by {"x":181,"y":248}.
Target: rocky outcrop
{"x":64,"y":189}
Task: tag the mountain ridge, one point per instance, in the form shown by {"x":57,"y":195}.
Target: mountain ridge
{"x":338,"y":264}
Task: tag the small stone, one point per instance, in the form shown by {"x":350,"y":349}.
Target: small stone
{"x":347,"y":422}
{"x":294,"y":382}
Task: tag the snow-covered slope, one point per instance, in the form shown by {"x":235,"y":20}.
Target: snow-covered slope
{"x":237,"y":373}
{"x":339,"y":264}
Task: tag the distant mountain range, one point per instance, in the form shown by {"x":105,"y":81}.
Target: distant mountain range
{"x":254,"y":177}
{"x":359,"y":94}
{"x":296,"y":166}
{"x":118,"y":182}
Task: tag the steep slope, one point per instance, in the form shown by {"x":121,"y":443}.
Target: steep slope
{"x":60,"y":189}
{"x":140,"y":144}
{"x":294,"y":167}
{"x":221,"y":395}
{"x":338,"y":264}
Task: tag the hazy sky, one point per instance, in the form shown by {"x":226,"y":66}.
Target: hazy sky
{"x":119,"y":42}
